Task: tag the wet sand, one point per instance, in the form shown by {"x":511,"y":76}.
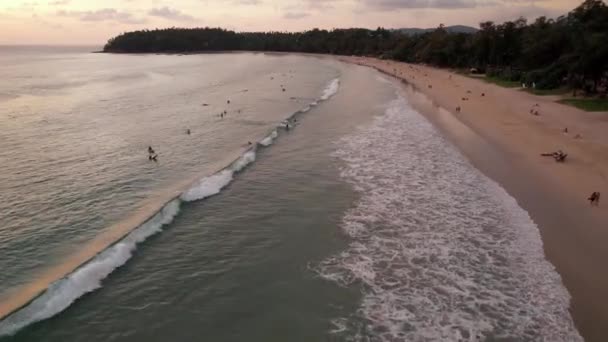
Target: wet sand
{"x":499,"y":135}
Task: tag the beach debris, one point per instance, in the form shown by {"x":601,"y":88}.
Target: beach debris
{"x":205,"y":104}
{"x":469,"y":92}
{"x":228,"y":102}
{"x":430,"y":86}
{"x":483,"y":94}
{"x":559,"y":156}
{"x":465,"y":99}
{"x":594,"y":199}
{"x":566,"y":130}
{"x":458,"y":109}
{"x":578,"y":136}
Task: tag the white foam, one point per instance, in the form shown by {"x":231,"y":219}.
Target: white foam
{"x":383,"y":79}
{"x":268,"y":140}
{"x":212,"y":185}
{"x":246,"y":159}
{"x":331,"y":89}
{"x":87,"y":278}
{"x":306,"y":109}
{"x":441,"y":252}
{"x":208,"y":186}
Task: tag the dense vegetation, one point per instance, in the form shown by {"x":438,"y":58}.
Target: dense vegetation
{"x":571,"y":50}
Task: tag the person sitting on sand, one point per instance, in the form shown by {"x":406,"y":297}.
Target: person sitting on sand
{"x":594,"y":199}
{"x":560,"y":156}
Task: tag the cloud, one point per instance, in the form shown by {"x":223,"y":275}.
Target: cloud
{"x":388,"y":5}
{"x":59,"y":2}
{"x":295,"y":15}
{"x":170,"y":14}
{"x":320,"y":4}
{"x":247,"y":2}
{"x":106,"y":14}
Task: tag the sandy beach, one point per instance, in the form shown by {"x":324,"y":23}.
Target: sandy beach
{"x":505,"y":141}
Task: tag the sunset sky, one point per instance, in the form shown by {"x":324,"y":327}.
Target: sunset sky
{"x":94,"y":21}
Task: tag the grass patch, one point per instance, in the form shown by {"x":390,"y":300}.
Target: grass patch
{"x":547,"y":92}
{"x":589,"y":105}
{"x":502,"y":82}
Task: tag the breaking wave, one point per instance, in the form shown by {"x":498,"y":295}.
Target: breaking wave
{"x":88,"y":276}
{"x":440,"y":251}
{"x":269,"y":139}
{"x":331,"y":89}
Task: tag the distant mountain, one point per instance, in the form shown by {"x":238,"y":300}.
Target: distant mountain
{"x":451,"y":29}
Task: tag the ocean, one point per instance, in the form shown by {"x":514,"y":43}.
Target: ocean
{"x":293,"y":198}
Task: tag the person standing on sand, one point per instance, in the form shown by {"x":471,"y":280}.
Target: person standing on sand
{"x":594,"y":199}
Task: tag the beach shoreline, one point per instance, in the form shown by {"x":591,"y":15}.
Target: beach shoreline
{"x":501,"y":138}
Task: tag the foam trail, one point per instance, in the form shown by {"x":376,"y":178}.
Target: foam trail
{"x":441,"y":252}
{"x":88,"y":277}
{"x":306,"y":109}
{"x":269,"y":139}
{"x":208,"y":186}
{"x":331,"y":89}
{"x":246,"y":159}
{"x":212,"y":185}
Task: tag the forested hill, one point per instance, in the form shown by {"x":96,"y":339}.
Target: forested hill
{"x":571,"y":49}
{"x":450,"y":29}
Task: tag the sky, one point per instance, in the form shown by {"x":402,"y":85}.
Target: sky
{"x":93,"y":22}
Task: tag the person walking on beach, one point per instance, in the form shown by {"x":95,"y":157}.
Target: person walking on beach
{"x":594,"y":199}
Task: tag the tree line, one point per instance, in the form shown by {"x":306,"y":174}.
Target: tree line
{"x":571,"y":50}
